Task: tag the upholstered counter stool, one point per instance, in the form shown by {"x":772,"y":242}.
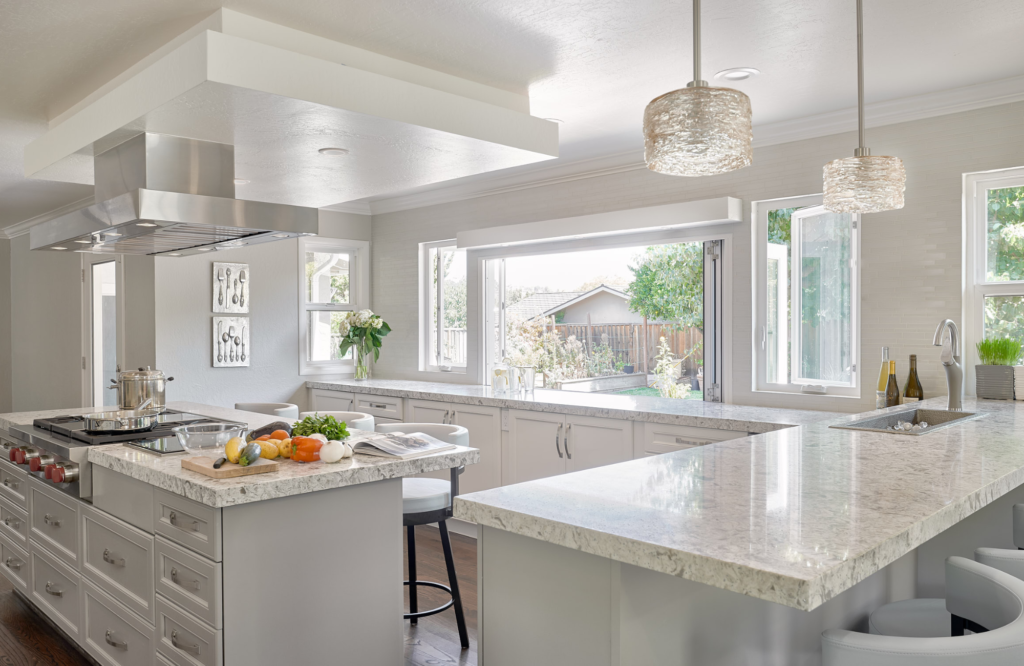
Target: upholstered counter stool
{"x":353,"y":420}
{"x":1018,"y":526}
{"x":283,"y":410}
{"x":428,"y":501}
{"x":981,"y":597}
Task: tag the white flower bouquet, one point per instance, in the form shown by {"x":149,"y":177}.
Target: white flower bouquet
{"x":363,"y":332}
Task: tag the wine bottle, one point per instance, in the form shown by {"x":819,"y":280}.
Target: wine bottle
{"x":912,"y":391}
{"x":892,"y":388}
{"x":883,"y":380}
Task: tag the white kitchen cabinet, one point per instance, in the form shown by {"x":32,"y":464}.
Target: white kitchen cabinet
{"x":594,"y":442}
{"x":661,"y":438}
{"x":535,"y":445}
{"x":330,"y":401}
{"x":484,"y":426}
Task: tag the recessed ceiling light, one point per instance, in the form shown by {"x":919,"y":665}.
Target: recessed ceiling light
{"x":737,"y":73}
{"x":58,"y":248}
{"x":333,"y":151}
{"x":142,"y":224}
{"x":113,"y":235}
{"x":281,"y":236}
{"x":241,"y":181}
{"x":174,"y":254}
{"x":84,"y":242}
{"x":204,"y":249}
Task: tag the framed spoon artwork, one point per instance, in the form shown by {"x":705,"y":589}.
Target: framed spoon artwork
{"x":231,"y":347}
{"x":231,"y":287}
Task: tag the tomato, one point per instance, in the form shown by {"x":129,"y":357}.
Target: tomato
{"x":306,"y":449}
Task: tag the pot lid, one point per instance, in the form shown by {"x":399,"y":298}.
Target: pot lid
{"x":143,"y":373}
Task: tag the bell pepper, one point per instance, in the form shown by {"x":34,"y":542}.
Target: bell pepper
{"x":306,"y":449}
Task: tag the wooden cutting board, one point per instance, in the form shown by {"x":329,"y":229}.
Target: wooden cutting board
{"x":204,"y":465}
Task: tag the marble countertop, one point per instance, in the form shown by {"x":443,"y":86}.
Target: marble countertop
{"x":794,"y":516}
{"x":294,"y":478}
{"x":634,"y":408}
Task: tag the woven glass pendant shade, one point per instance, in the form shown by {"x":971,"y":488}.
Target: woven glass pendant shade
{"x":698,"y":131}
{"x":868,"y":184}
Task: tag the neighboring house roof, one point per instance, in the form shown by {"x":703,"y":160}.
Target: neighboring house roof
{"x":535,"y":304}
{"x":579,"y":298}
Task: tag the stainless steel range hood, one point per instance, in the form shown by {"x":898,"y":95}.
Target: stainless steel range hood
{"x":168,"y":196}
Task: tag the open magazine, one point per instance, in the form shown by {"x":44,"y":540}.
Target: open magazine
{"x":396,"y":444}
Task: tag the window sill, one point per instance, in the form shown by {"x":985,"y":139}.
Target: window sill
{"x":798,"y":394}
{"x":453,"y":371}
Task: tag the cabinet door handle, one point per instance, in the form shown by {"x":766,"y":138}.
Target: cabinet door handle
{"x":174,"y":579}
{"x":194,"y":649}
{"x":13,"y":563}
{"x":173,"y":520}
{"x":16,"y":523}
{"x":120,"y":645}
{"x":110,"y":559}
{"x":558,"y":435}
{"x":54,"y":592}
{"x":11,"y":484}
{"x":51,"y":520}
{"x":568,"y":431}
{"x":444,"y":419}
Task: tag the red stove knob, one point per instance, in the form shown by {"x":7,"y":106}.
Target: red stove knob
{"x":38,"y":463}
{"x":14,"y":453}
{"x":57,"y":474}
{"x":34,"y":464}
{"x":19,"y":456}
{"x":48,"y":470}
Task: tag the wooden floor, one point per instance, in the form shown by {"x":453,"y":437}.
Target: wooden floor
{"x":25,"y":639}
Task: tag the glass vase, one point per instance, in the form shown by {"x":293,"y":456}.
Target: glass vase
{"x":362,"y":363}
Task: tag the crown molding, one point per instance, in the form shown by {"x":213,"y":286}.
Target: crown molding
{"x":23,"y":227}
{"x":879,"y":114}
{"x":357,"y":207}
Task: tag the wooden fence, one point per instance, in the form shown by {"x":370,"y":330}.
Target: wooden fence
{"x":629,"y":343}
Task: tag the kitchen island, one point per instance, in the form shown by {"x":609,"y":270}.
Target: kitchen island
{"x":167,"y":566}
{"x":743,"y":551}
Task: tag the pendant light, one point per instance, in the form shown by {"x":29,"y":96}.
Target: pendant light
{"x":863,"y":183}
{"x":698,"y":130}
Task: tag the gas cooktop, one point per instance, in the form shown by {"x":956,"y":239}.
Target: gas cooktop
{"x":73,"y":427}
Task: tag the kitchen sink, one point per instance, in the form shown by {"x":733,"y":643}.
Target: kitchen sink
{"x":935,"y":418}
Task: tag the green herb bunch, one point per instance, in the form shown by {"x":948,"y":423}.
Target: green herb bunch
{"x":327,"y":426}
{"x":999,"y":351}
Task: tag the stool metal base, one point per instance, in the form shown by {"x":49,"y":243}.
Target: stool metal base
{"x":435,"y":611}
{"x":411,"y":520}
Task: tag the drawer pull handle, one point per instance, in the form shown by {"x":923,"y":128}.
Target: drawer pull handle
{"x":110,"y":559}
{"x":11,"y":484}
{"x":174,"y":578}
{"x":54,"y":592}
{"x":16,"y":523}
{"x":194,"y":649}
{"x":120,"y":645}
{"x":13,"y":563}
{"x":51,"y":520}
{"x":378,"y":406}
{"x":173,"y":519}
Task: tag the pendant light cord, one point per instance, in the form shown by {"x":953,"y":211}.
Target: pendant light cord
{"x":861,"y":150}
{"x":696,"y":41}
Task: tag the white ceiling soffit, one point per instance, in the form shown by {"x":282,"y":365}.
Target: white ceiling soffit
{"x":279,"y":95}
{"x":614,"y":223}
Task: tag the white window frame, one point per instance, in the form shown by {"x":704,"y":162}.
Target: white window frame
{"x":428,"y":359}
{"x":359,"y":298}
{"x":759,"y":294}
{"x":975,"y":288}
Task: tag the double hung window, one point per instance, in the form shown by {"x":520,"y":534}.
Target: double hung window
{"x":332,"y":283}
{"x":443,"y":320}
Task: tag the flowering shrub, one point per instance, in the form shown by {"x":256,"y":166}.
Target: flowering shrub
{"x":665,"y":373}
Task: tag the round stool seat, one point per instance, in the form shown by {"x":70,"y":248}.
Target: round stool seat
{"x":912,"y":618}
{"x":422,"y":495}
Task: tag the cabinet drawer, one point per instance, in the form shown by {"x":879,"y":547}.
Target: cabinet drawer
{"x":14,"y":485}
{"x":390,"y":408}
{"x":14,"y":563}
{"x":111,"y":633}
{"x":14,"y":522}
{"x":55,"y":589}
{"x":185,"y":641}
{"x":119,"y":559}
{"x":330,"y":401}
{"x":191,"y":581}
{"x":123,"y":497}
{"x":189,"y":523}
{"x":660,"y":438}
{"x":54,"y":522}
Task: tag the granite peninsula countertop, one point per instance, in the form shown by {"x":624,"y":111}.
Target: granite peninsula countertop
{"x":294,"y":478}
{"x":634,"y":408}
{"x":794,"y":516}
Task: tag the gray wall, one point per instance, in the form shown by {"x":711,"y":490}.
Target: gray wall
{"x":46,"y":328}
{"x":911,"y":257}
{"x":5,"y":325}
{"x":184,"y":315}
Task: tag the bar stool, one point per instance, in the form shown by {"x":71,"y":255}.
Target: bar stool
{"x":427,"y":501}
{"x":353,"y":420}
{"x":282,"y":410}
{"x":981,"y":595}
{"x":1018,"y":526}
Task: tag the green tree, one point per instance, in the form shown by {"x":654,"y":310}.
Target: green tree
{"x":668,"y":284}
{"x":1005,"y":232}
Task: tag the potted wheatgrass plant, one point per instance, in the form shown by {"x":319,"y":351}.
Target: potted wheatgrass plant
{"x":994,"y":376}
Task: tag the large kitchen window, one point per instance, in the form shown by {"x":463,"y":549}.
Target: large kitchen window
{"x":806,"y":298}
{"x":443,"y":320}
{"x":333,"y":281}
{"x":994,"y":260}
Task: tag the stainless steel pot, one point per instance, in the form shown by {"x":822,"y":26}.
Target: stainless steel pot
{"x":122,"y":420}
{"x":135,"y":387}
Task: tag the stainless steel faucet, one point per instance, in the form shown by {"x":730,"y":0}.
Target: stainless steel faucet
{"x":951,"y":362}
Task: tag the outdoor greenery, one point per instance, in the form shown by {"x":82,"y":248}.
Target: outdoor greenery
{"x":530,"y":343}
{"x":1005,"y":234}
{"x":454,"y":295}
{"x":1004,"y":317}
{"x":999,"y":351}
{"x":665,"y":373}
{"x":668,"y":284}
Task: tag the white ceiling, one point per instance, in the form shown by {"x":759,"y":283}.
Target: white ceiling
{"x":593,"y":64}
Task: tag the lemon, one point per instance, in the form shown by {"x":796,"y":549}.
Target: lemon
{"x":233,"y":449}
